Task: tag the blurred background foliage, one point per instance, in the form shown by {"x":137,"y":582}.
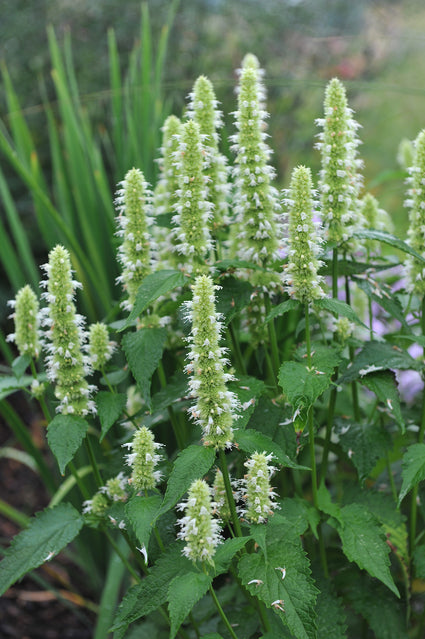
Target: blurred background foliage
{"x":376,"y":48}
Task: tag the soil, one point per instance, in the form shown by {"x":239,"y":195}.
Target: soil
{"x":27,"y":609}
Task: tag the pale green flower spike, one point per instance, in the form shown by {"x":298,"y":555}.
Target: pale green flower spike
{"x":343,"y":328}
{"x":374,"y":218}
{"x":256,"y":202}
{"x":214,"y":404}
{"x":115,"y":488}
{"x":220,"y":497}
{"x":100,"y":347}
{"x":203,"y":110}
{"x":26,"y":320}
{"x":405,"y":153}
{"x":165,"y":194}
{"x":257,"y":492}
{"x":134,"y":205}
{"x":143,"y":459}
{"x":415,"y":270}
{"x":304,"y":244}
{"x":193,"y":210}
{"x":198,"y":528}
{"x":340,"y":180}
{"x":65,"y":337}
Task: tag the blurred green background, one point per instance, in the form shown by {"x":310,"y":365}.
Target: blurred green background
{"x":377,"y":48}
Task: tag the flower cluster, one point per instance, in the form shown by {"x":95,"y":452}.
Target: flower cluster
{"x":340,"y":180}
{"x":26,"y":320}
{"x":374,"y":218}
{"x":256,"y":202}
{"x":214,"y":405}
{"x":193,"y":209}
{"x":134,"y":206}
{"x":415,"y":270}
{"x":301,"y":271}
{"x":143,"y":460}
{"x":257,"y":492}
{"x":203,"y":110}
{"x":65,"y":337}
{"x":198,"y":528}
{"x":100,"y":348}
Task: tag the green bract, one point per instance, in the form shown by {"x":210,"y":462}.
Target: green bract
{"x":340,"y":181}
{"x":133,"y":203}
{"x":193,"y":210}
{"x":65,"y":337}
{"x":300,"y":273}
{"x":198,"y":528}
{"x":416,"y":202}
{"x":25,"y":316}
{"x":214,"y":405}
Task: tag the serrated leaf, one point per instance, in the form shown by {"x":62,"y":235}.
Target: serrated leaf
{"x":378,"y":356}
{"x":225,"y":553}
{"x":324,"y":502}
{"x":349,"y":267}
{"x":183,"y":593}
{"x":364,"y":444}
{"x":300,"y":515}
{"x":142,"y":513}
{"x":20,"y":365}
{"x":383,"y":296}
{"x":173,"y":392}
{"x":387,"y":238}
{"x":296,"y":589}
{"x":65,"y":434}
{"x":152,"y":287}
{"x":143,"y":351}
{"x":384,"y":385}
{"x":192,"y":463}
{"x":413,"y":469}
{"x":281,"y":309}
{"x":144,"y":598}
{"x":47,"y":534}
{"x":232,"y":297}
{"x":338,"y":308}
{"x":331,"y":617}
{"x":110,"y":407}
{"x":252,"y":441}
{"x":364,"y":542}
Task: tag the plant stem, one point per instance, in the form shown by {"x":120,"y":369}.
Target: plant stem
{"x":222,"y":614}
{"x":77,"y":478}
{"x":93,"y":462}
{"x":273,"y":339}
{"x":229,"y":493}
{"x":354,"y":393}
{"x":237,"y":353}
{"x":122,"y":557}
{"x":171,"y":414}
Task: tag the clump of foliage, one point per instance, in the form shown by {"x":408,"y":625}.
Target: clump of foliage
{"x":255,"y":370}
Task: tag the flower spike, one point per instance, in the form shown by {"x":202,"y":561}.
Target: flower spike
{"x":143,"y":460}
{"x":26,"y":319}
{"x":415,"y":270}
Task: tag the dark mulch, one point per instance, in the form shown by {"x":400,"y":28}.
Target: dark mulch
{"x":27,"y":609}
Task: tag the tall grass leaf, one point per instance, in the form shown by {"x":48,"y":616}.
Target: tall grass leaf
{"x":115,"y":81}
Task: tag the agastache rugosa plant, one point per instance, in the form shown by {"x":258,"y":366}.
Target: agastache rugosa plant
{"x":415,"y":269}
{"x":257,"y":493}
{"x":26,"y":319}
{"x":65,"y":337}
{"x":134,"y":206}
{"x":100,"y":347}
{"x":193,"y":209}
{"x":214,"y":405}
{"x":203,"y":110}
{"x":142,"y":459}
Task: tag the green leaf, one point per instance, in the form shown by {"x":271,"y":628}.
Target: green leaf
{"x":225,"y":553}
{"x":192,"y":463}
{"x":385,"y":297}
{"x":173,"y":392}
{"x":47,"y":534}
{"x":143,"y":351}
{"x":151,"y":592}
{"x":233,"y":297}
{"x":247,"y":390}
{"x":413,"y":469}
{"x":387,"y":238}
{"x":331,"y":617}
{"x":296,"y":589}
{"x":109,"y":408}
{"x":384,"y":385}
{"x":377,"y":356}
{"x":20,"y":365}
{"x":339,"y":308}
{"x":252,"y":441}
{"x":64,"y":435}
{"x":152,"y":287}
{"x":364,"y":444}
{"x":419,"y":562}
{"x":281,"y":309}
{"x":142,"y":513}
{"x":300,"y":515}
{"x":324,"y":502}
{"x":364,"y":542}
{"x":9,"y":384}
{"x":183,"y":593}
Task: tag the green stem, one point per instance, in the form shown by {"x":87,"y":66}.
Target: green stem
{"x":335,"y":273}
{"x":77,"y":478}
{"x":229,"y":493}
{"x":222,"y":614}
{"x":273,"y":339}
{"x":122,"y":556}
{"x":354,"y":392}
{"x":93,"y":462}
{"x":171,"y":414}
{"x":236,"y":352}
